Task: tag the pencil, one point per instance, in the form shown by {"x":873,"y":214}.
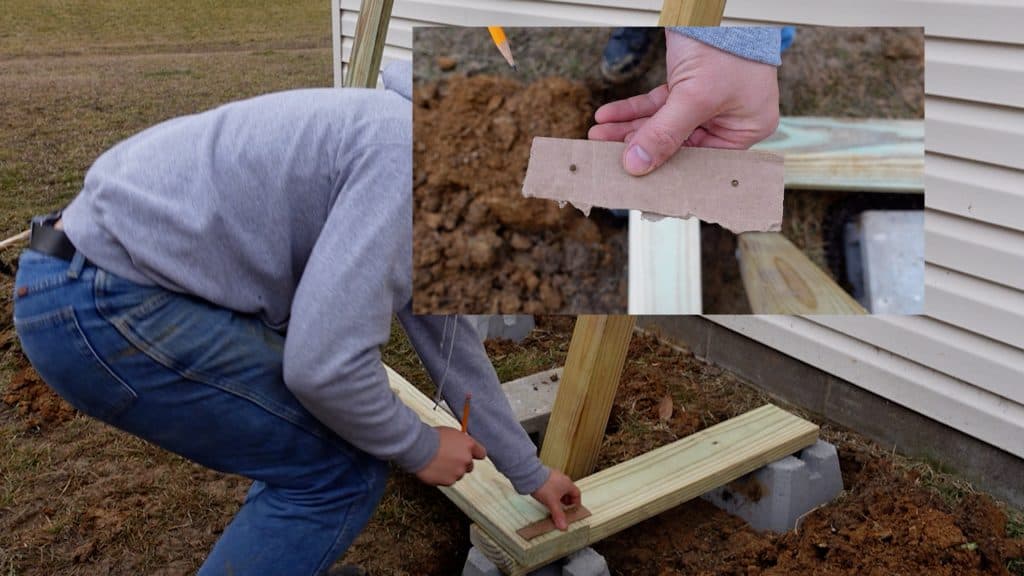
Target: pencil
{"x":465,"y":412}
{"x":498,"y":35}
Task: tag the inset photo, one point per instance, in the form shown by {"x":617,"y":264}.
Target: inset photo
{"x":730,"y":170}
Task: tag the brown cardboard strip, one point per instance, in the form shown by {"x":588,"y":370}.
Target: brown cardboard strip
{"x":739,"y":189}
{"x":543,"y":526}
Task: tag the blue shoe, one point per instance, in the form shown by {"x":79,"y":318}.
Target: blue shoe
{"x":788,"y":33}
{"x":629,"y":53}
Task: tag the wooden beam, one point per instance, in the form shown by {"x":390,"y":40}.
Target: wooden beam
{"x":871,"y":155}
{"x":780,"y":279}
{"x":691,"y":13}
{"x":17,"y":238}
{"x":664,"y":266}
{"x":371,"y":32}
{"x":620,"y":496}
{"x":739,"y":189}
{"x":593,"y":366}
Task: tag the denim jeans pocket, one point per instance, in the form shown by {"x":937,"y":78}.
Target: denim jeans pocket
{"x":63,"y":355}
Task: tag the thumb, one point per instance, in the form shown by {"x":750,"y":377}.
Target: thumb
{"x":478,"y":451}
{"x":663,"y":134}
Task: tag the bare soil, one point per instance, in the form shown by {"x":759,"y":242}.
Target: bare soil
{"x":479,"y":246}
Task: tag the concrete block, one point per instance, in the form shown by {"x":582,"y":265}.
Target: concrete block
{"x":586,"y":562}
{"x":886,"y":247}
{"x":532,"y":397}
{"x":478,"y":565}
{"x":775,"y":496}
{"x":509,"y":326}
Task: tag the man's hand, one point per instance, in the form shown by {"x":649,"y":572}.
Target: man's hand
{"x":712,"y":99}
{"x":454,"y":458}
{"x":557,"y":492}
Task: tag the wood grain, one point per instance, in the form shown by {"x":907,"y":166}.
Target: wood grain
{"x":691,"y":13}
{"x":371,"y":32}
{"x":870,"y":155}
{"x":780,"y":279}
{"x":579,"y":416}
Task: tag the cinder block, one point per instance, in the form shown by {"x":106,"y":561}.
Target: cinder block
{"x":774,"y":497}
{"x":586,"y":562}
{"x":478,"y":565}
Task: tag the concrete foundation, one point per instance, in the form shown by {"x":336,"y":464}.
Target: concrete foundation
{"x":776,"y":496}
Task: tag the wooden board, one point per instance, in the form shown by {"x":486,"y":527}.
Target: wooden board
{"x":739,"y":189}
{"x":664,"y":266}
{"x":691,"y":13}
{"x":780,"y":279}
{"x":869,"y":155}
{"x":579,"y":416}
{"x":622,"y":495}
{"x":370,"y":35}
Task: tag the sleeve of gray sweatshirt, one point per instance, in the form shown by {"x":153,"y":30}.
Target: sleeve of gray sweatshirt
{"x":758,"y":43}
{"x":358,"y":273}
{"x":492,"y":421}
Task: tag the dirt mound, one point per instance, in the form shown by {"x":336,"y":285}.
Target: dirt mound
{"x":478,"y":245}
{"x":884,"y":524}
{"x":37,"y":404}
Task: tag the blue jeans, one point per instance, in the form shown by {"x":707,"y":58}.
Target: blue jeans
{"x":206,"y":383}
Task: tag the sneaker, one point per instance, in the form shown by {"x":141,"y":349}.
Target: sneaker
{"x":629,"y":53}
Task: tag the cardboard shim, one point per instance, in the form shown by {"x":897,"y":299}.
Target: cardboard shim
{"x":542,"y":527}
{"x":739,"y":189}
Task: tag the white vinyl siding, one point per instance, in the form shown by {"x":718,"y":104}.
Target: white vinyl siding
{"x":963,"y":363}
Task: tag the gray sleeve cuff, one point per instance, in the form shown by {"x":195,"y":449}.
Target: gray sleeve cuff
{"x":758,"y":43}
{"x":422,"y":450}
{"x":530,"y":478}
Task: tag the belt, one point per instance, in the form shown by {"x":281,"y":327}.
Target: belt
{"x":46,"y":239}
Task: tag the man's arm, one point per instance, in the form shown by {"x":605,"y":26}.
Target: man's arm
{"x":492,"y":421}
{"x":342,"y":308}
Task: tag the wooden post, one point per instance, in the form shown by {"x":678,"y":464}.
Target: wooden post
{"x":371,"y":31}
{"x":692,"y":13}
{"x":599,"y":344}
{"x":593,"y":367}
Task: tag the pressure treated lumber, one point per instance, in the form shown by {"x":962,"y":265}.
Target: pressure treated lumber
{"x":19,"y":237}
{"x":780,"y":279}
{"x":622,"y":495}
{"x":869,"y":155}
{"x":739,"y":189}
{"x":664,"y":266}
{"x":593,"y":366}
{"x":691,"y":13}
{"x":371,"y":32}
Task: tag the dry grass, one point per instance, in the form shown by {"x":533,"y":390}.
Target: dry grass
{"x":78,"y":77}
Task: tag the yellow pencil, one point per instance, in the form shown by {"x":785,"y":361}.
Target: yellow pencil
{"x":498,"y":35}
{"x":465,"y":413}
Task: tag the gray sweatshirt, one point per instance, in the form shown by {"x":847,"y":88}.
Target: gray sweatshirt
{"x":297,"y":207}
{"x":758,"y":43}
